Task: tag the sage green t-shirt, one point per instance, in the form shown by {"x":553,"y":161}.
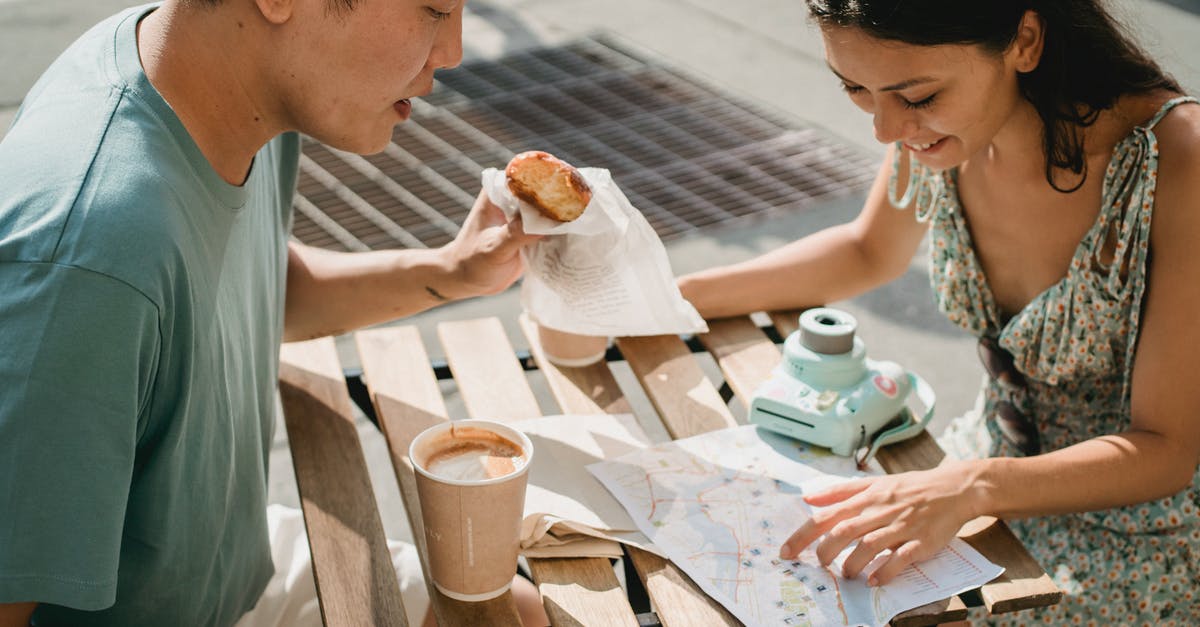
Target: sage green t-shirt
{"x":141,"y":302}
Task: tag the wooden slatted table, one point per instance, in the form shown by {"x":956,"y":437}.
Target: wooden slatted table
{"x":349,"y":551}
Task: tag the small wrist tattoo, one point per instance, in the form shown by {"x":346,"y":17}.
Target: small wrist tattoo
{"x":436,"y":294}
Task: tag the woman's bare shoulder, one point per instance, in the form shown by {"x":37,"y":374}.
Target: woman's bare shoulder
{"x":1177,"y":193}
{"x":1178,"y":134}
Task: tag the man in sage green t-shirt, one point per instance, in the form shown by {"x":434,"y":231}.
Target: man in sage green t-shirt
{"x":146,"y":280}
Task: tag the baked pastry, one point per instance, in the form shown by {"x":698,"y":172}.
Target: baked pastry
{"x":548,"y":183}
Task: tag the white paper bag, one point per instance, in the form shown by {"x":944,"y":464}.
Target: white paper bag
{"x":605,"y":273}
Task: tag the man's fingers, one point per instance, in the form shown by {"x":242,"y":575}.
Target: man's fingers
{"x":485,"y":213}
{"x":517,"y":235}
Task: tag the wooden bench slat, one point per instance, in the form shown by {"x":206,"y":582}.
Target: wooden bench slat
{"x":407,"y":399}
{"x":1023,"y":585}
{"x":355,"y":580}
{"x":685,"y":399}
{"x":493,"y":386}
{"x":594,"y":389}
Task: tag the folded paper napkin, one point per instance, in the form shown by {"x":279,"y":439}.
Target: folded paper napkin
{"x":605,"y":273}
{"x":568,"y":513}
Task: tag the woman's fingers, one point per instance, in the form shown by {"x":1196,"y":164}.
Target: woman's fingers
{"x":812,"y":529}
{"x":837,"y":493}
{"x":824,"y":519}
{"x":839,"y":537}
{"x":908,"y":553}
{"x":801,"y":538}
{"x":869,"y":547}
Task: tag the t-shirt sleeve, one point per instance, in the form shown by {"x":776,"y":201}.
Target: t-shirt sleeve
{"x":78,"y":354}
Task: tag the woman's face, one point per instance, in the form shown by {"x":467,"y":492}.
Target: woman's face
{"x":347,"y":76}
{"x":945,"y":103}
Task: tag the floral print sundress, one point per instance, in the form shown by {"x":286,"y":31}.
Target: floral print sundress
{"x":1074,"y":344}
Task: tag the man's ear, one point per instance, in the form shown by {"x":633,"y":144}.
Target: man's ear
{"x":275,"y":11}
{"x":1026,"y":48}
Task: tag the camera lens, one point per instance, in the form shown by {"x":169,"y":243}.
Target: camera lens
{"x":828,"y":331}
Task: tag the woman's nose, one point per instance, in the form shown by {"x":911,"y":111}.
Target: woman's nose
{"x":892,"y":125}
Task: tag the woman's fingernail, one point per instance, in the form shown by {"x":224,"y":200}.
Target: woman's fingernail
{"x":872,"y":581}
{"x":785,"y":551}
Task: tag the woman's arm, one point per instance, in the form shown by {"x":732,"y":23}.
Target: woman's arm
{"x":330,"y":292}
{"x":917,"y":514}
{"x":1157,"y":456}
{"x":833,"y":264}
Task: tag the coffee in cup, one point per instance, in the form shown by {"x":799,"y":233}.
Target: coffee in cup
{"x":473,"y":454}
{"x":471,"y":478}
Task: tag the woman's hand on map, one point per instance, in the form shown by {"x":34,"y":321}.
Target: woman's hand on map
{"x":914,"y":514}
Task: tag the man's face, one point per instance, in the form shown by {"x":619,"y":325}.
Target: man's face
{"x":346,"y":75}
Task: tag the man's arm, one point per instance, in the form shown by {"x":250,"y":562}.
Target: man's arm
{"x":16,"y":614}
{"x":330,"y":292}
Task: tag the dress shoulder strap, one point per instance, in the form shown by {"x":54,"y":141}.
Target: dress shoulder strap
{"x":1166,"y":108}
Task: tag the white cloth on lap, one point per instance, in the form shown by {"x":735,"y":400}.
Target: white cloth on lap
{"x":967,"y":437}
{"x":290,"y":599}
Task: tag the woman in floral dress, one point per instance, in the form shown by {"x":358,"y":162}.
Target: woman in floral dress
{"x":1056,"y":170}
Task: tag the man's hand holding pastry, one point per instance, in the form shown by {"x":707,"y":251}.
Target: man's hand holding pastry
{"x":486,"y":254}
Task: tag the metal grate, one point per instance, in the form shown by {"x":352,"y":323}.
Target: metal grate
{"x":686,"y":155}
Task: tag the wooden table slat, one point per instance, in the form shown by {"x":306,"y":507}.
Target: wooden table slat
{"x":493,"y":386}
{"x":582,"y":591}
{"x":1023,"y":585}
{"x":589,"y":390}
{"x":786,"y":322}
{"x":407,"y":399}
{"x":688,"y":404}
{"x":744,"y":354}
{"x":686,"y":400}
{"x":593,"y":389}
{"x":936,"y":613}
{"x":576,"y":591}
{"x":352,"y":566}
{"x":677,"y":598}
{"x":490,"y":379}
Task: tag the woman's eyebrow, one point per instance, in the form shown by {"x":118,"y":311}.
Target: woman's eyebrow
{"x":902,"y":85}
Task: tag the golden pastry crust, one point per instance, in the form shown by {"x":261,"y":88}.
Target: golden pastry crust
{"x":548,"y":183}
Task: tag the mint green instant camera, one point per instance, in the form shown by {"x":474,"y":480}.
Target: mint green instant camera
{"x":827,"y":392}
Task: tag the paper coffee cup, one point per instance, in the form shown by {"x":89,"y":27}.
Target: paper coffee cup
{"x":571,"y":349}
{"x":472,"y":517}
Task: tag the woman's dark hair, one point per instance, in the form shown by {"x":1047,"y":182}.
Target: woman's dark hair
{"x":1088,"y":61}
